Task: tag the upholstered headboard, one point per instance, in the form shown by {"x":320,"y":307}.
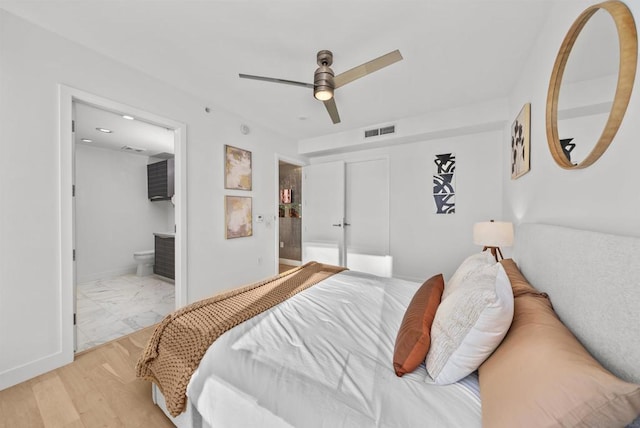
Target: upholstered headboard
{"x":593,"y":280}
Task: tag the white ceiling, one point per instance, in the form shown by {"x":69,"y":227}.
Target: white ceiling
{"x":456,"y":52}
{"x":133,"y":133}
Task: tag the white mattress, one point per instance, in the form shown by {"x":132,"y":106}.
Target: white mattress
{"x":324,"y":359}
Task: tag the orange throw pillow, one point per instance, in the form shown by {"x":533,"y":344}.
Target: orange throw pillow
{"x":414,"y":335}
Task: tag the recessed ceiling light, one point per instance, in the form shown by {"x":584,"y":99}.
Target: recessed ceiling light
{"x":86,"y":140}
{"x":105,"y":130}
{"x":126,"y":116}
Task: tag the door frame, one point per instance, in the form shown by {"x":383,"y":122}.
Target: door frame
{"x":276,"y":217}
{"x":66,"y":97}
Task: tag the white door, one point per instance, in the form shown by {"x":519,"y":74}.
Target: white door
{"x":367,"y":208}
{"x":323,"y":213}
{"x":346,"y":215}
{"x":367,"y":217}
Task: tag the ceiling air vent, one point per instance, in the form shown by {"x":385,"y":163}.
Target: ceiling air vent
{"x":380,"y":131}
{"x":388,"y":130}
{"x":371,"y":133}
{"x":132,"y":149}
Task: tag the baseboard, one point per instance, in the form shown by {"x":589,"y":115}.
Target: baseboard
{"x":107,"y":274}
{"x":290,"y":262}
{"x":163,"y":278}
{"x":19,"y":374}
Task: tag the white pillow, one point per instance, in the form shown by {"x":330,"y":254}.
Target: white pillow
{"x":470,"y":324}
{"x":466,"y":268}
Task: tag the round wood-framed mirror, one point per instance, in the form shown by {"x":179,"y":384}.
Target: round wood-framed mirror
{"x":628,"y":44}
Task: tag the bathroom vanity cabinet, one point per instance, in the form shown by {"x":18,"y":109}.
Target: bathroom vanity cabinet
{"x":160,"y":180}
{"x":164,"y":264}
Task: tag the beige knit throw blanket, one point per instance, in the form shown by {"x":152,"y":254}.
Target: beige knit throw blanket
{"x":182,"y":338}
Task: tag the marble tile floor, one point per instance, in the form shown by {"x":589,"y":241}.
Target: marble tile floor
{"x":110,"y":308}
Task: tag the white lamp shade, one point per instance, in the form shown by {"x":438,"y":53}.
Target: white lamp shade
{"x":493,"y":234}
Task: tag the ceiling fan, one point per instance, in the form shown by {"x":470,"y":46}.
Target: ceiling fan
{"x":325,"y":82}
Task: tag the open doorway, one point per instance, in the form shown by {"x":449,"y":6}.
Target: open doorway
{"x":70,"y":99}
{"x":289,"y":215}
{"x":124,"y":224}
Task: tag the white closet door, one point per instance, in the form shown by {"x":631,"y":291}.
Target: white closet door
{"x":323,"y":194}
{"x":367,"y":207}
{"x":367,"y":217}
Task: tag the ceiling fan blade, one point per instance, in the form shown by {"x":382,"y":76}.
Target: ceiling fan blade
{"x":275,"y":80}
{"x":367,"y":68}
{"x":332,"y":109}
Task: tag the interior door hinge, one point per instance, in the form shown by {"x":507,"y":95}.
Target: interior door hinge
{"x":73,"y":126}
{"x":74,"y":319}
{"x":74,"y":254}
{"x":73,"y":190}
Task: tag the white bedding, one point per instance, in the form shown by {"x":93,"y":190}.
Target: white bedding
{"x":324,"y":359}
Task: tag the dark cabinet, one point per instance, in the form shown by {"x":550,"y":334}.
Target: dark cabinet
{"x":164,"y":264}
{"x":160,"y":185}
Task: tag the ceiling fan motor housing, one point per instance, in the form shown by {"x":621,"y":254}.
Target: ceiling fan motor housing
{"x":325,"y":57}
{"x":323,"y":84}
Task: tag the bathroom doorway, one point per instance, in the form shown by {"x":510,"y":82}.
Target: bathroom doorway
{"x":289,"y":215}
{"x":102,"y":250}
{"x":119,"y":290}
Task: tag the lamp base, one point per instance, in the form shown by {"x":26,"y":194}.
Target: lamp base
{"x":495,"y":251}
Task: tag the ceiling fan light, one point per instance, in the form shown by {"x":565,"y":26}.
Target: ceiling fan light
{"x":323,"y":83}
{"x":322,"y":93}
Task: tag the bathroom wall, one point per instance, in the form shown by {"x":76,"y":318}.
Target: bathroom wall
{"x":114,"y":217}
{"x":290,"y":214}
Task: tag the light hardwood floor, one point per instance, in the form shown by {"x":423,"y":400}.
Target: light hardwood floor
{"x":284,"y":268}
{"x":99,"y":389}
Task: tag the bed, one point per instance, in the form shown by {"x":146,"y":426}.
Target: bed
{"x":323,"y":357}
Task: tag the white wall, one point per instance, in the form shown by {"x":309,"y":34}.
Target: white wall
{"x":33,"y":62}
{"x":604,"y":196}
{"x":114,"y":217}
{"x":422,"y":243}
{"x":465,"y":120}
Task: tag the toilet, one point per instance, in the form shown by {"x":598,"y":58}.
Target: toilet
{"x":145,"y":262}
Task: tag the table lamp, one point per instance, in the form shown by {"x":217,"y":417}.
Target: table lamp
{"x":493,"y":235}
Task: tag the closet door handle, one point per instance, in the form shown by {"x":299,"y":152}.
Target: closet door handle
{"x":337,"y":225}
{"x":347,"y":224}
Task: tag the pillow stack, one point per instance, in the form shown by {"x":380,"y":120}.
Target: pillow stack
{"x":539,"y":375}
{"x":455,"y":327}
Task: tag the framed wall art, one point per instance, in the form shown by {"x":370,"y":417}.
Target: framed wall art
{"x":238,"y":217}
{"x":520,"y":144}
{"x":444,"y":192}
{"x":237,"y":168}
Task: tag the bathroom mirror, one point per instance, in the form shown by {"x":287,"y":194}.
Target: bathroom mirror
{"x":591,"y":84}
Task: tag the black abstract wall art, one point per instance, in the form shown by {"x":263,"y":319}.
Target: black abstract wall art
{"x":567,"y":148}
{"x":520,"y":145}
{"x":444,"y":184}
